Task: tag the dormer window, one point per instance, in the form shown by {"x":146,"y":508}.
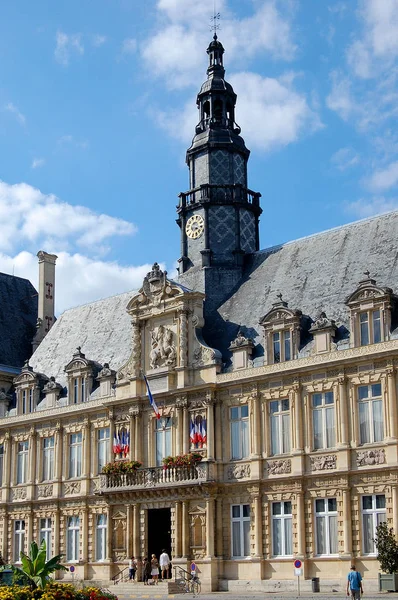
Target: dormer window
{"x":28,"y":386}
{"x":281,"y":332}
{"x":80,"y":372}
{"x":370,"y":307}
{"x":27,"y":405}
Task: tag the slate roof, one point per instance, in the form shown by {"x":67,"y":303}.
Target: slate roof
{"x":102,"y":329}
{"x":314,"y":274}
{"x":18,"y":317}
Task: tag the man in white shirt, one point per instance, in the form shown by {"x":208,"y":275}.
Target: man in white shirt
{"x":164,"y":563}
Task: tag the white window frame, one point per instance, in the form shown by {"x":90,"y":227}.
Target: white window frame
{"x":46,"y":535}
{"x":1,"y":463}
{"x":240,"y":530}
{"x":239,"y":429}
{"x":48,"y":458}
{"x":325,"y":516}
{"x":103,"y":447}
{"x":283,"y":340}
{"x":163,"y":439}
{"x":370,"y":400}
{"x":73,"y":539}
{"x":75,"y":455}
{"x":326,"y":406}
{"x":376,"y":517}
{"x":280,"y":445}
{"x":286,"y":522}
{"x":19,"y":539}
{"x":101,"y":532}
{"x":368,"y":332}
{"x":22,"y":461}
{"x":24,"y":402}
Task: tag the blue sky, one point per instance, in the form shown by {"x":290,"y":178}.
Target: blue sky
{"x":97,"y":108}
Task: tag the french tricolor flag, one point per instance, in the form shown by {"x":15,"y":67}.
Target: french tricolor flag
{"x":151,"y":400}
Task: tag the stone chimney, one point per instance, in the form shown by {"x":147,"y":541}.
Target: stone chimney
{"x":45,"y":313}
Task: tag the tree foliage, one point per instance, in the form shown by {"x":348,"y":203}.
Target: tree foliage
{"x":387,"y":548}
{"x":35,"y":566}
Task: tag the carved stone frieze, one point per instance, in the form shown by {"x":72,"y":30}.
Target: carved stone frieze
{"x":120,"y":556}
{"x":73,"y":487}
{"x":45,"y":490}
{"x":238,"y":471}
{"x":279,"y":467}
{"x":181,"y":402}
{"x":18,"y":493}
{"x":371,"y":457}
{"x":323,"y":463}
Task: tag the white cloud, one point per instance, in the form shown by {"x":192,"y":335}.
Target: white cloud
{"x":360,"y":60}
{"x":172,"y":51}
{"x":10,"y":107}
{"x":340,"y":99}
{"x":66,"y":46}
{"x":79,"y":279}
{"x":38,"y":162}
{"x":345,"y":158}
{"x":384,"y":179}
{"x":372,"y":206}
{"x":33,"y":217}
{"x":271,"y":113}
{"x":98,"y":40}
{"x":129,"y":46}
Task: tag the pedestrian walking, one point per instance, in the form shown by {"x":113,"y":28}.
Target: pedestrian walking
{"x":164,"y":562}
{"x":132,"y":568}
{"x":146,"y":570}
{"x":354,"y":584}
{"x":155,"y":568}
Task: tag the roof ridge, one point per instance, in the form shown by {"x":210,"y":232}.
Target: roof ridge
{"x":97,"y":301}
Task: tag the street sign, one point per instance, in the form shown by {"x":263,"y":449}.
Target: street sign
{"x":298,"y":572}
{"x":72,"y":569}
{"x":297,"y":564}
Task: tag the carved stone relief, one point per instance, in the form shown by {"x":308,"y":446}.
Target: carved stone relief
{"x":45,"y":491}
{"x":371,"y":457}
{"x":73,"y":487}
{"x":278,"y":467}
{"x":238,"y":471}
{"x":323,"y":463}
{"x":163,"y":350}
{"x":18,"y":494}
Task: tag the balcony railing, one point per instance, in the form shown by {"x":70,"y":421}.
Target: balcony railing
{"x":155,"y":477}
{"x":220,"y":193}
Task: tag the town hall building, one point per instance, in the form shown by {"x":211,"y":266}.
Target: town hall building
{"x":274,"y":373}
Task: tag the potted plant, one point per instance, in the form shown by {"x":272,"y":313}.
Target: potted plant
{"x":182,"y":460}
{"x":121,"y":467}
{"x":387,"y":555}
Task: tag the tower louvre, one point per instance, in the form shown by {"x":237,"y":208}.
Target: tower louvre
{"x":219,"y":215}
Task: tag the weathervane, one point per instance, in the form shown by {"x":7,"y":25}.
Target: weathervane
{"x":214,"y":20}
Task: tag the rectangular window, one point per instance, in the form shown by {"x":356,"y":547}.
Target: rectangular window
{"x":83,"y":389}
{"x":287,"y":345}
{"x":1,"y":463}
{"x":102,"y":447}
{"x":75,"y":390}
{"x":31,"y":407}
{"x":282,"y":529}
{"x":276,"y":340}
{"x":240,"y":518}
{"x":323,"y":420}
{"x":364,"y":328}
{"x":72,"y":539}
{"x":239,"y":432}
{"x":373,"y":513}
{"x":100,"y":545}
{"x":370,"y":408}
{"x":22,"y":462}
{"x":48,"y":458}
{"x":282,"y":346}
{"x":326,"y":526}
{"x":370,"y":327}
{"x":163,"y":439}
{"x":19,"y":539}
{"x":280,"y":426}
{"x":45,"y":534}
{"x":75,"y":455}
{"x":376,"y":321}
{"x":24,"y":402}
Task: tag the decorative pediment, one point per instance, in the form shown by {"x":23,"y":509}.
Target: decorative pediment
{"x":280,"y":314}
{"x":322,"y":323}
{"x":156,"y":288}
{"x":79,"y":362}
{"x":368,"y":290}
{"x":27,"y":375}
{"x":241,"y":342}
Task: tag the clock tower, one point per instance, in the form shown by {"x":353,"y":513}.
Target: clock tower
{"x":219,"y":215}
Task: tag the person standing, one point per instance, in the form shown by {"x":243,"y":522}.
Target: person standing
{"x":132,"y":568}
{"x":155,"y":568}
{"x":354,"y":584}
{"x":146,"y":568}
{"x":164,"y":562}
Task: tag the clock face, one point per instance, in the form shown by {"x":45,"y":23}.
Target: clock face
{"x":195,"y":227}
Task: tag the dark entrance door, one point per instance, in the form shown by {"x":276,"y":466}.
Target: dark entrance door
{"x":159,"y":531}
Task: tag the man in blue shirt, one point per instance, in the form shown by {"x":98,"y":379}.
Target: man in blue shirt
{"x":354,"y":583}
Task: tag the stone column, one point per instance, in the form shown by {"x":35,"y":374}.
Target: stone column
{"x":347,"y":525}
{"x":300,"y":525}
{"x":4,"y":541}
{"x":56,"y":531}
{"x":392,"y":400}
{"x":185,"y":529}
{"x":180,"y":402}
{"x":344,"y":437}
{"x":111,"y":432}
{"x":298,"y":418}
{"x":84,"y":519}
{"x":7,"y":460}
{"x":394,"y":491}
{"x":210,"y":527}
{"x":177,"y":529}
{"x":29,"y":530}
{"x":185,"y":428}
{"x":86,"y":448}
{"x":136,"y":530}
{"x":129,"y":531}
{"x":32,"y":456}
{"x":109,"y":535}
{"x":218,"y":423}
{"x":219,"y":527}
{"x":210,"y":425}
{"x":258,"y":539}
{"x":58,"y":453}
{"x":256,"y":420}
{"x":133,"y":449}
{"x":183,"y":350}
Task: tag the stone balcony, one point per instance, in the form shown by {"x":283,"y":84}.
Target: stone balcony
{"x":156,"y":477}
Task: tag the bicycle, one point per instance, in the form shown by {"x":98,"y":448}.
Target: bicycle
{"x":191,"y":585}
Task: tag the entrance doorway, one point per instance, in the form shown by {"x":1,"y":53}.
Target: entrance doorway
{"x":159,"y":531}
